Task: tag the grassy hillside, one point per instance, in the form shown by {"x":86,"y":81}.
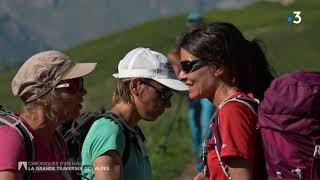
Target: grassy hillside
{"x":288,"y":46}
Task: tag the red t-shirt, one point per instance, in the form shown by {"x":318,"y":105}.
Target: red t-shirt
{"x":237,"y":124}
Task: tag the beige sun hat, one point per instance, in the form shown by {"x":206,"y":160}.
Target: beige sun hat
{"x":41,"y":72}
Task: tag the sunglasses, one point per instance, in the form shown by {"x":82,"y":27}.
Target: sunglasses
{"x":188,"y":66}
{"x":164,"y":95}
{"x":74,"y":86}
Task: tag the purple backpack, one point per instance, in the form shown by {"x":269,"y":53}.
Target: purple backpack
{"x":289,"y":122}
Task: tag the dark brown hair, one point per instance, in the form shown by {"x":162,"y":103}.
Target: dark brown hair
{"x":223,"y":44}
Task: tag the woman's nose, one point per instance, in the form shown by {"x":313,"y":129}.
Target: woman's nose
{"x":182,"y":76}
{"x":83,"y":92}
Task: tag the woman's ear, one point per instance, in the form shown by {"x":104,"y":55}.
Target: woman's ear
{"x":219,"y":70}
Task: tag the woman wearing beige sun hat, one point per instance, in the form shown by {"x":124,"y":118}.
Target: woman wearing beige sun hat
{"x":50,"y":86}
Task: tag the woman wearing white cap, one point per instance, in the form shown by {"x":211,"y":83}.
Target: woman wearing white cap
{"x":146,"y":82}
{"x":50,"y":85}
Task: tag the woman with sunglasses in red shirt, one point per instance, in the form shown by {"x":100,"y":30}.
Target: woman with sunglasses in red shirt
{"x":50,"y":86}
{"x":219,"y":63}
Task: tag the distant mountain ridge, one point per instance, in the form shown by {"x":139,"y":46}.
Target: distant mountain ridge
{"x":28,"y":26}
{"x":16,"y":36}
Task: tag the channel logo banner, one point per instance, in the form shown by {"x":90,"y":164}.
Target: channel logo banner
{"x":49,"y":166}
{"x":56,"y":166}
{"x":22,"y":165}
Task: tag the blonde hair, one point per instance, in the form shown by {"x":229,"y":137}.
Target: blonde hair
{"x":122,"y":93}
{"x":50,"y":102}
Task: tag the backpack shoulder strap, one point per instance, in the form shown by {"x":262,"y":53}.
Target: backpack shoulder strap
{"x":252,"y":104}
{"x":117,"y":119}
{"x":15,"y":122}
{"x":61,"y":144}
{"x":73,"y":128}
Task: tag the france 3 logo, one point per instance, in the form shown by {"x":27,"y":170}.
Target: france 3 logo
{"x":297,"y":17}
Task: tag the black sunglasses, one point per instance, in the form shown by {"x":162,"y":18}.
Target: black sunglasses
{"x":165,"y":95}
{"x":188,"y":66}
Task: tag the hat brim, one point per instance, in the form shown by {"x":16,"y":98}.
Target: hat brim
{"x":173,"y":84}
{"x":80,"y":70}
{"x":116,"y":75}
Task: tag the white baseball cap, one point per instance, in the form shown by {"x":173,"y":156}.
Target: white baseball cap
{"x":145,"y":63}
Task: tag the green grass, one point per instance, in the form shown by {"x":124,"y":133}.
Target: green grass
{"x":289,"y":47}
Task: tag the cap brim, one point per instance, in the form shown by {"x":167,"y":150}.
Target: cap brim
{"x":80,"y":70}
{"x":116,"y":75}
{"x":173,"y":84}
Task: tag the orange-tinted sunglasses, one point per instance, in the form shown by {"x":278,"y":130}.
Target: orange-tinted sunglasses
{"x":74,"y":86}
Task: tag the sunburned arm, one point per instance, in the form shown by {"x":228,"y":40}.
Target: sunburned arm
{"x":108,"y":166}
{"x":10,"y":175}
{"x":239,"y":168}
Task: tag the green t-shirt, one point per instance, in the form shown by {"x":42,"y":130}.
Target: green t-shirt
{"x":105,"y":135}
